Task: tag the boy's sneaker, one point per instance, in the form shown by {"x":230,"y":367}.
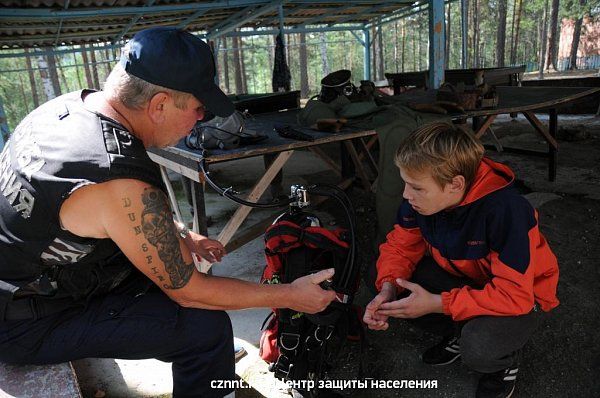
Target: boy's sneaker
{"x":499,"y":384}
{"x":443,"y":353}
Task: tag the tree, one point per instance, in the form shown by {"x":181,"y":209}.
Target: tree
{"x":239,"y":85}
{"x":543,"y":37}
{"x":34,"y":92}
{"x":323,"y":48}
{"x":552,"y":35}
{"x":86,"y":67}
{"x":517,"y":10}
{"x":475,"y":24}
{"x":576,"y":37}
{"x":380,"y":55}
{"x":226,"y":65}
{"x":501,"y":33}
{"x":304,"y":89}
{"x":94,"y":67}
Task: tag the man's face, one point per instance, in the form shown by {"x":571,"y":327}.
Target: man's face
{"x":179,"y":122}
{"x":424,"y":194}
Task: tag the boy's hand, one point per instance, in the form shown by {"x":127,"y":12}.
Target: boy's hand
{"x":419,"y":303}
{"x":372,"y":318}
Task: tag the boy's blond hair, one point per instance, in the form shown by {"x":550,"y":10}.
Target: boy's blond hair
{"x":442,"y":150}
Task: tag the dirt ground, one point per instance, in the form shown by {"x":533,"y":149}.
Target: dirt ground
{"x":563,"y":357}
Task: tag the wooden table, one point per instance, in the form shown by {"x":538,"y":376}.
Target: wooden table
{"x":525,"y":100}
{"x":186,"y":162}
{"x":505,"y":76}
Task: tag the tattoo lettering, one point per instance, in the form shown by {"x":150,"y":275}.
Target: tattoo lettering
{"x":131,"y":216}
{"x":149,"y":259}
{"x":137,"y":229}
{"x":126,"y":202}
{"x":159,"y":229}
{"x":144,"y":247}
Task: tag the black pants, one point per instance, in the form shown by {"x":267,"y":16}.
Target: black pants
{"x":199,"y":343}
{"x":487,"y":343}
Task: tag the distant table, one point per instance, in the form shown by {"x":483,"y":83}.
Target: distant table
{"x":504,"y":76}
{"x":525,"y":100}
{"x":186,"y":161}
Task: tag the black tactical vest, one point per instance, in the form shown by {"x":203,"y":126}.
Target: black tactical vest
{"x":58,"y":148}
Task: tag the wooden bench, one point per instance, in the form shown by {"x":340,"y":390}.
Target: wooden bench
{"x":48,"y":381}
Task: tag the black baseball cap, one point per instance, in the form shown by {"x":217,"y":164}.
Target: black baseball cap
{"x":176,"y":59}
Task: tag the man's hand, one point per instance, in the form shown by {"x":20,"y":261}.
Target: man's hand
{"x":419,"y":303}
{"x":209,"y":249}
{"x":372,"y":318}
{"x":308,"y":296}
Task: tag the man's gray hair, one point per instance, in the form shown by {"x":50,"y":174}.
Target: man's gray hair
{"x":134,"y":92}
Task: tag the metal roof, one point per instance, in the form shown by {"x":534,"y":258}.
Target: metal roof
{"x":40,"y":23}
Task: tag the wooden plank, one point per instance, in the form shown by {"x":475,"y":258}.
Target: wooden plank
{"x":357,"y":163}
{"x":540,"y":128}
{"x":242,"y":212}
{"x":330,"y":162}
{"x":488,"y":122}
{"x":370,"y":161}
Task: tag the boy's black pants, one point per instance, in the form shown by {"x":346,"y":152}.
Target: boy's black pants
{"x":487,"y":343}
{"x":198,"y":342}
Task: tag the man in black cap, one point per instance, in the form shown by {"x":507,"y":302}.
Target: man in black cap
{"x":85,"y":227}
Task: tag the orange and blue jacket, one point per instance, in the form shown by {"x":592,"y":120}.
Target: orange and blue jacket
{"x":492,"y":237}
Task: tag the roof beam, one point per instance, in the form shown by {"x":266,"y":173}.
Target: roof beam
{"x":417,"y":9}
{"x":60,"y":23}
{"x":335,"y":11}
{"x":48,"y":13}
{"x":28,"y":13}
{"x":191,"y":18}
{"x":133,"y":21}
{"x":367,"y":11}
{"x":254,"y":14}
{"x":43,"y":52}
{"x":262,"y":32}
{"x":233,"y":17}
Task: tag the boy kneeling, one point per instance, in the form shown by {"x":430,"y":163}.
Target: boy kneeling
{"x":479,"y":268}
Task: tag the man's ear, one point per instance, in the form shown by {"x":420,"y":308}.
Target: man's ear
{"x":156,"y":107}
{"x":458,"y":184}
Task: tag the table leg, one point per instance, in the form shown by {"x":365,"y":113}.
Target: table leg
{"x":552,"y":152}
{"x":275,"y":188}
{"x":358,"y":166}
{"x":200,"y":225}
{"x":259,"y":188}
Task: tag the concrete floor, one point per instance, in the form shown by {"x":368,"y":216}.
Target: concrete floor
{"x":152,"y":378}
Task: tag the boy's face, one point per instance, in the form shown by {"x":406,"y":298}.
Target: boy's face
{"x":426,"y":196}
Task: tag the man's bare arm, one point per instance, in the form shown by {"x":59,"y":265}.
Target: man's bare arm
{"x":137,"y":217}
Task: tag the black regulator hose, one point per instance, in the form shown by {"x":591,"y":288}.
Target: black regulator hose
{"x":327,"y":190}
{"x":337,"y":193}
{"x":228,"y":193}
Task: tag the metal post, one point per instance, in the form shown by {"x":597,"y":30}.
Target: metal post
{"x":436,"y":43}
{"x":552,"y":152}
{"x":464,"y":28}
{"x":367,"y":57}
{"x":4,"y":132}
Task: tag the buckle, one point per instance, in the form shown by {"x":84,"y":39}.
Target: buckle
{"x":329,"y":333}
{"x":295,"y":336}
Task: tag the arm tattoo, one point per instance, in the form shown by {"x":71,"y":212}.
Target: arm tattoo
{"x":158,"y":228}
